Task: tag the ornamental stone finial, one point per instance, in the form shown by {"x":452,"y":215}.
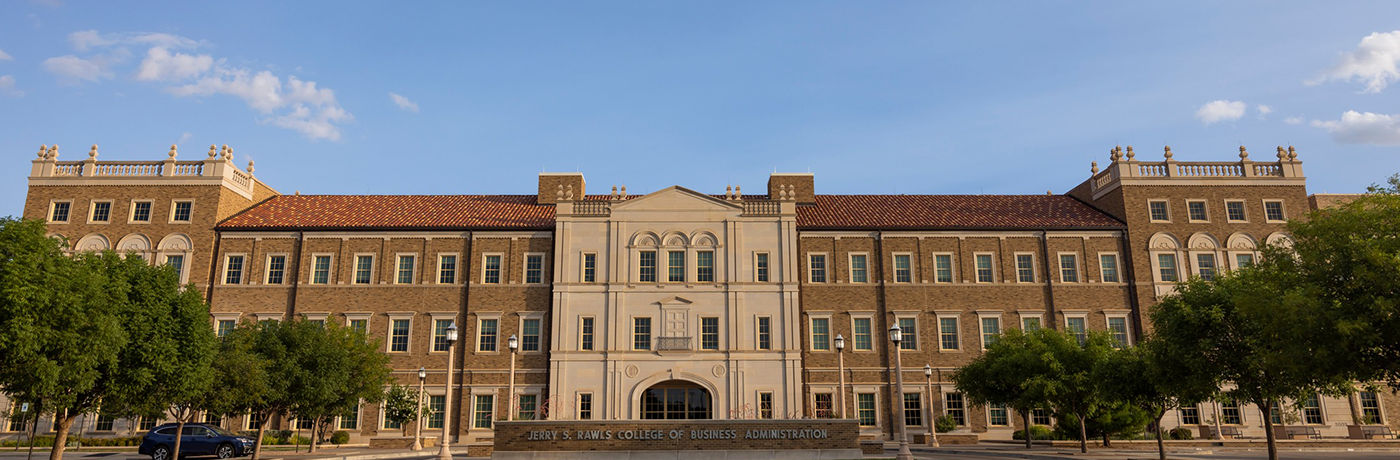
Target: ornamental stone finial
{"x":1167,"y":152}
{"x":1115,"y":153}
{"x":92,"y":152}
{"x":738,"y":195}
{"x":1280,"y":153}
{"x":1292,"y":154}
{"x":212,"y":152}
{"x":1244,"y":154}
{"x":53,"y":152}
{"x":1130,"y":153}
{"x":569,"y":192}
{"x":250,"y":166}
{"x":43,"y":151}
{"x":173,"y":152}
{"x":559,"y":192}
{"x":1093,"y":167}
{"x":729,"y":192}
{"x":624,"y":192}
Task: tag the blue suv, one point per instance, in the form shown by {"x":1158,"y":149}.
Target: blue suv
{"x":197,"y":439}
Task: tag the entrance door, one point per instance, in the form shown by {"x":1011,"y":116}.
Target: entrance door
{"x":676,"y":400}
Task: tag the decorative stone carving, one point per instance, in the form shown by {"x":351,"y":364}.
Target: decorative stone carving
{"x":631,"y":371}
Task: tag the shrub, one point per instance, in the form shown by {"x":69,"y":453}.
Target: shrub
{"x":945,"y":424}
{"x":340,"y":437}
{"x":1179,"y":433}
{"x":1038,"y":433}
{"x":299,"y":440}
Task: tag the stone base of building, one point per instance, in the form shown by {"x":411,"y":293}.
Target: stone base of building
{"x":400,"y":442}
{"x":677,"y":439}
{"x":801,"y":454}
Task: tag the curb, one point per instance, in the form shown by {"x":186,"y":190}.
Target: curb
{"x":395,"y":455}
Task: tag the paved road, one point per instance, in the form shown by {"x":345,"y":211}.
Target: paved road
{"x":982,"y":453}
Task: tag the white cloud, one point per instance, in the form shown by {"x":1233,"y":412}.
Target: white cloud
{"x":403,"y":102}
{"x":74,"y":68}
{"x":5,"y":56}
{"x":1363,"y":128}
{"x":1373,"y":62}
{"x":1221,"y":110}
{"x":1263,"y":109}
{"x":161,"y":65}
{"x":184,"y":137}
{"x":7,"y":86}
{"x":1293,"y":120}
{"x":84,"y":40}
{"x":300,"y":105}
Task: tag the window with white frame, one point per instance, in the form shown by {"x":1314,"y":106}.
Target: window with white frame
{"x":1230,"y":413}
{"x":1243,"y":260}
{"x":447,"y":268}
{"x":859,"y":269}
{"x":997,"y":415}
{"x":861,"y":339}
{"x":1025,"y":268}
{"x":709,"y":333}
{"x":59,"y":210}
{"x":486,"y":333}
{"x":1190,"y":415}
{"x":482,"y":411}
{"x":865,"y":409}
{"x":1166,"y":268}
{"x":351,"y":420}
{"x":1157,"y":211}
{"x":585,"y":406}
{"x":909,"y":329}
{"x":705,"y":266}
{"x":589,"y":272}
{"x":491,"y":269}
{"x":1118,"y":329}
{"x":1030,"y":323}
{"x":1205,"y":266}
{"x":953,"y":406}
{"x":821,"y":333}
{"x":440,"y":334}
{"x":1076,"y":326}
{"x":530,"y":334}
{"x":364,"y":269}
{"x":1196,"y":211}
{"x":948,"y":333}
{"x":141,"y":211}
{"x":760,"y":267}
{"x":1273,"y":211}
{"x":902,"y":268}
{"x":101,"y":212}
{"x":225,"y":326}
{"x":276,"y":268}
{"x":1040,"y":416}
{"x":913,"y":409}
{"x":1108,"y":268}
{"x":1069,"y":268}
{"x":526,"y":406}
{"x":320,"y":269}
{"x":1234,"y":211}
{"x":991,"y":330}
{"x":534,"y":268}
{"x":177,"y":262}
{"x":942,"y":268}
{"x":437,"y":411}
{"x":986,"y":272}
{"x":180,"y":210}
{"x":816,"y":268}
{"x":233,"y":269}
{"x":1370,"y":407}
{"x":398,"y":334}
{"x":765,"y":405}
{"x":1312,"y":410}
{"x":822,"y":405}
{"x":406,"y":264}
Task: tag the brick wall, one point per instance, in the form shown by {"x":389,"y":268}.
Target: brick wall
{"x":684,"y":435}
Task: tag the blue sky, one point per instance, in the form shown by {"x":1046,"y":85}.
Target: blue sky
{"x":887,"y":97}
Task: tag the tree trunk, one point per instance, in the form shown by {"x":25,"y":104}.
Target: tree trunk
{"x":179,"y":436}
{"x":62,"y":423}
{"x":1083,"y":436}
{"x":1157,"y":424}
{"x":262,"y":426}
{"x":315,"y":428}
{"x":1266,"y":408}
{"x":296,"y":436}
{"x":1026,"y":416}
{"x":1106,"y":441}
{"x":1218,"y":434}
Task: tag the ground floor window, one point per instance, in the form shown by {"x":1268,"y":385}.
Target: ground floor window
{"x":1370,"y":407}
{"x":1275,"y":413}
{"x":104,"y":422}
{"x":1190,"y":416}
{"x":526,"y":407}
{"x":913,"y":410}
{"x":481,"y":412}
{"x":954,"y":407}
{"x":865,"y":408}
{"x":1040,"y":417}
{"x":1312,"y":410}
{"x":822,"y":401}
{"x":147,"y":423}
{"x":437,"y":409}
{"x":676,"y":400}
{"x":585,"y":406}
{"x":1230,"y":413}
{"x":996,"y":415}
{"x":765,"y":405}
{"x":213,"y":419}
{"x":351,"y":420}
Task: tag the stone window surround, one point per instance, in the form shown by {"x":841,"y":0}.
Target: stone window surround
{"x":594,"y":332}
{"x":1157,"y":268}
{"x":854,"y":408}
{"x":131,"y":211}
{"x":811,"y":332}
{"x":1127,"y":322}
{"x":1205,"y":205}
{"x":632,"y":333}
{"x":173,"y":202}
{"x":1035,"y":277}
{"x":826,"y":267}
{"x":757,"y":334}
{"x":1067,"y":314}
{"x":1022,"y":315}
{"x":315,"y":316}
{"x":522,"y":389}
{"x":768,"y":267}
{"x":268,"y":316}
{"x":355,"y":268}
{"x":894,"y":268}
{"x":434,"y":317}
{"x":92,"y":208}
{"x":952,"y":267}
{"x":478,"y":390}
{"x":330,"y":269}
{"x":184,"y":264}
{"x":1117,"y":267}
{"x":242,"y":268}
{"x":225,"y":316}
{"x":487,"y":315}
{"x":366,"y":316}
{"x":413,"y":271}
{"x":875,"y":332}
{"x":1243,"y":206}
{"x":1265,"y":204}
{"x":851,"y":267}
{"x":525,"y":269}
{"x":914,"y":315}
{"x":52,"y":205}
{"x":267,"y":268}
{"x":1233,"y":256}
{"x":389,"y":331}
{"x":500,"y":268}
{"x":1195,"y":261}
{"x":1060,"y":267}
{"x":925,"y":402}
{"x":456,"y":267}
{"x":981,"y":332}
{"x":939,"y":316}
{"x":1149,"y":210}
{"x":976,"y":270}
{"x":537,"y":315}
{"x":1009,"y":417}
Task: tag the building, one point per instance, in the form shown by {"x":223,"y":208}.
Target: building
{"x":682,"y":304}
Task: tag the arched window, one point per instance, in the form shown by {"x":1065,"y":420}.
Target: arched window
{"x":1204,"y":251}
{"x":92,"y":243}
{"x":1242,"y":249}
{"x":676,"y":400}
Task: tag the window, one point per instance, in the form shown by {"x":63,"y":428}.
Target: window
{"x":1275,"y":413}
{"x":364,"y":269}
{"x":1190,"y":416}
{"x":1108,"y":268}
{"x":398,"y":335}
{"x":491,"y":269}
{"x":901,"y":268}
{"x":860,"y":334}
{"x":1205,"y":266}
{"x":705,"y":266}
{"x":390,"y":424}
{"x":955,"y":409}
{"x":1234,"y":211}
{"x":1370,"y":408}
{"x":816,"y":268}
{"x":213,"y":419}
{"x":276,"y":269}
{"x":104,"y":422}
{"x":405,"y":272}
{"x":1244,"y":260}
{"x":985,"y":273}
{"x":101,"y":211}
{"x":1166,"y":268}
{"x":1118,"y":328}
{"x":943,"y":268}
{"x":526,"y":406}
{"x":233,"y":270}
{"x":646,"y":267}
{"x":447,"y":269}
{"x":225,"y":326}
{"x":590,"y":267}
{"x":675,"y":266}
{"x":437,"y":405}
{"x":859,"y":272}
{"x":585,"y":340}
{"x":360,"y":325}
{"x":585,"y":406}
{"x":865,"y":408}
{"x":821,"y":402}
{"x":1230,"y":413}
{"x":997,"y":415}
{"x":1312,"y":410}
{"x":765,"y":333}
{"x":1025,"y":268}
{"x":1196,"y":211}
{"x":909,"y":329}
{"x":140,"y":211}
{"x":709,"y":333}
{"x":1030,"y":323}
{"x":440,"y":334}
{"x":534,"y":268}
{"x":1069,"y":268}
{"x":1075,"y":325}
{"x":760,"y":264}
{"x":1040,"y":417}
{"x":320,"y":269}
{"x":481,"y":412}
{"x":486,"y":334}
{"x":913,"y":409}
{"x":181,"y":211}
{"x":641,"y":333}
{"x":60,"y":211}
{"x":177,"y":262}
{"x":1273,"y":211}
{"x":146,"y":423}
{"x":991,"y":329}
{"x":1157,"y":211}
{"x":351,"y":420}
{"x":821,"y":333}
{"x":530,"y":334}
{"x":948,"y":333}
{"x":765,"y":405}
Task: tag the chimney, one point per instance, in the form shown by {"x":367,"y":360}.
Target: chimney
{"x":800,"y":185}
{"x":553,"y":186}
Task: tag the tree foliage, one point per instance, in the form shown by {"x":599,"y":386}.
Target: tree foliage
{"x":401,"y":406}
{"x":1012,"y":371}
{"x":336,"y":368}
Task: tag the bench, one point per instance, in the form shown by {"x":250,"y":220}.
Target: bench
{"x":1292,"y":432}
{"x":1225,"y":431}
{"x":1371,"y":431}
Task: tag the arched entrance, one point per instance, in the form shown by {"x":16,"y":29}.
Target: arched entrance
{"x":675,"y":400}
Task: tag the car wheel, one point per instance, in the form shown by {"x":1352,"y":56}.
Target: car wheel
{"x":161,"y":453}
{"x":225,"y":451}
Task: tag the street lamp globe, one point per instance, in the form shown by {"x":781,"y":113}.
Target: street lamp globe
{"x":928,"y":370}
{"x":895,"y":335}
{"x":512,"y":342}
{"x":452,"y":332}
{"x":840,"y":342}
{"x":422,"y":373}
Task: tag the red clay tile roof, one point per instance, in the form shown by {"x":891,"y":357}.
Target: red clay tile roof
{"x":950,"y":212}
{"x":419,"y":212}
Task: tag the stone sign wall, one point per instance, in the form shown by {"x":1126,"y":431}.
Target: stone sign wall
{"x":680,"y":435}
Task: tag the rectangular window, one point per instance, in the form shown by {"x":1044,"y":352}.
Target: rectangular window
{"x":590,"y":268}
{"x":1205,"y":266}
{"x":1273,"y":211}
{"x":526,"y":406}
{"x":1030,"y":323}
{"x":1190,"y":416}
{"x":530,"y":334}
{"x":585,"y":340}
{"x":225,"y":326}
{"x":646,"y":267}
{"x":865,"y":408}
{"x":405,"y":272}
{"x":901,"y":268}
{"x":1157,"y":211}
{"x":181,"y":213}
{"x":1276,"y":413}
{"x":398,"y":338}
{"x":534,"y":268}
{"x":1312,"y":410}
{"x":60,"y":211}
{"x":1244,"y":260}
{"x":440,"y":334}
{"x":1166,"y":268}
{"x":1196,"y":211}
{"x":1108,"y":268}
{"x":491,"y":270}
{"x":1230,"y":413}
{"x":955,"y":408}
{"x":486,"y":334}
{"x":1025,"y":268}
{"x":1370,"y":408}
{"x":913,"y":409}
{"x":997,"y":415}
{"x":816,"y":267}
{"x":985,"y":273}
{"x":147,"y":423}
{"x":1069,"y":268}
{"x":364,"y":269}
{"x":1118,"y":328}
{"x":909,"y":329}
{"x":709,"y":333}
{"x":761,"y":267}
{"x":211,"y":418}
{"x":233,"y":270}
{"x":641,"y":333}
{"x":351,"y":420}
{"x":765,"y":333}
{"x":822,"y":405}
{"x":705,"y":266}
{"x":140,"y":211}
{"x":948,"y":333}
{"x":1040,"y":417}
{"x":1234,"y":211}
{"x":104,"y":422}
{"x":765,"y":405}
{"x":360,"y":325}
{"x":482,"y":411}
{"x":858,"y":269}
{"x":437,"y":405}
{"x":390,"y":424}
{"x":585,"y":406}
{"x":177,"y":262}
{"x":821,"y":334}
{"x":860,"y":334}
{"x":1076,"y":327}
{"x":276,"y":269}
{"x":320,"y":269}
{"x":991,"y":329}
{"x":675,"y":266}
{"x":101,"y":211}
{"x":447,"y":269}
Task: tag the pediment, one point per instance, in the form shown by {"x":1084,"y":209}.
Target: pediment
{"x":674,"y":301}
{"x":676,"y":198}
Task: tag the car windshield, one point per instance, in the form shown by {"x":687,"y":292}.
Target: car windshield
{"x":222,"y":432}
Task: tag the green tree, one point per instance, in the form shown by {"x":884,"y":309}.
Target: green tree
{"x":1111,"y":417}
{"x":1012,"y":371}
{"x":242,"y":376}
{"x":337,"y":368}
{"x":1155,"y":376}
{"x":401,"y":406}
{"x":1077,"y":366}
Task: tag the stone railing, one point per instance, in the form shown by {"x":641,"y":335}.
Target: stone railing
{"x":672,"y":343}
{"x":1125,"y":166}
{"x":762,"y":208}
{"x":219,"y":165}
{"x":591,"y":208}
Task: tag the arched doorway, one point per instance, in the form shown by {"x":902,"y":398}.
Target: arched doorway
{"x":675,"y":400}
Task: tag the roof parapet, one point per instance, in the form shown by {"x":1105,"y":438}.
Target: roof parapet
{"x":1124,"y":165}
{"x":47,"y":169}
